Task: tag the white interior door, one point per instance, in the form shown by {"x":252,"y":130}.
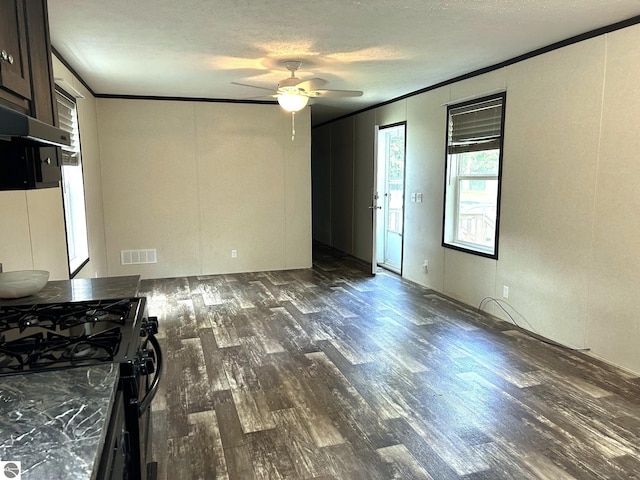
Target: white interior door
{"x":390,"y":192}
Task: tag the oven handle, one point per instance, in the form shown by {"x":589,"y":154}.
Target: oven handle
{"x":146,"y":401}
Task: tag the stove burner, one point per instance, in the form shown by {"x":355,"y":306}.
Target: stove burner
{"x":33,"y":337}
{"x":63,"y":316}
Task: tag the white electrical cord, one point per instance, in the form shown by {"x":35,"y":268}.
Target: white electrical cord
{"x":532,"y":332}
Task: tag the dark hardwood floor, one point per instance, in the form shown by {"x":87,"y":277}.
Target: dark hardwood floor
{"x":329,"y":373}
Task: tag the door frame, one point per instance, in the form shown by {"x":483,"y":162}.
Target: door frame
{"x":374,"y":200}
{"x":374,"y":204}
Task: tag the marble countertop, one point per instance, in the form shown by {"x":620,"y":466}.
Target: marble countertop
{"x":53,"y":422}
{"x":80,"y":289}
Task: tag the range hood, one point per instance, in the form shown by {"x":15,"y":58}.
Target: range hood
{"x":27,"y":130}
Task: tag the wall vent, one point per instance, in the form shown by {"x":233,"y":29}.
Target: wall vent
{"x":137,"y":257}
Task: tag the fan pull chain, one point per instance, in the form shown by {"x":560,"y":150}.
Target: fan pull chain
{"x":293,"y":125}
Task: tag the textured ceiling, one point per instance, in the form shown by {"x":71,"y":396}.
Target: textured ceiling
{"x":196,"y":48}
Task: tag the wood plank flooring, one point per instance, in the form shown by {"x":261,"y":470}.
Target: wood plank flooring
{"x":329,"y":373}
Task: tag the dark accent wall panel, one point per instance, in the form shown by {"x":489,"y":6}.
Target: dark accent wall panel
{"x":321,"y":184}
{"x":342,"y":138}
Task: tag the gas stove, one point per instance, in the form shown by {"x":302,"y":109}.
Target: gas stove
{"x":43,"y":337}
{"x":49,"y":336}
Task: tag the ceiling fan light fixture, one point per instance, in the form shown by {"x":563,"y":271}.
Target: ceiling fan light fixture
{"x":292,"y":102}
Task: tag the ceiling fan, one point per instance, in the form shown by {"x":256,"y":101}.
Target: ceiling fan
{"x":293,"y":93}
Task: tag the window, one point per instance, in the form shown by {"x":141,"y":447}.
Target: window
{"x":75,"y":215}
{"x":472,"y":175}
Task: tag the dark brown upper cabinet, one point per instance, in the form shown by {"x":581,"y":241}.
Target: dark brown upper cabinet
{"x":15,"y":78}
{"x":26,"y":73}
{"x":26,"y":86}
{"x":43,"y":100}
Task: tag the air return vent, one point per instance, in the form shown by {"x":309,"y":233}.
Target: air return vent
{"x":137,"y":257}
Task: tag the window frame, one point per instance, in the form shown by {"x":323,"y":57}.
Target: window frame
{"x":451,"y":201}
{"x":78,"y":265}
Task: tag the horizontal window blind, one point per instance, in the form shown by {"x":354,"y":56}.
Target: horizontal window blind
{"x":68,"y":118}
{"x":475,"y":127}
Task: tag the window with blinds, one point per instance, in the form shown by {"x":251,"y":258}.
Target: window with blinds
{"x":472,"y":178}
{"x":68,"y":120}
{"x":475,"y":127}
{"x":75,"y":213}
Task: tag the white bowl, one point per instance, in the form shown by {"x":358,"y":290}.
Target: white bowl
{"x":22,"y":283}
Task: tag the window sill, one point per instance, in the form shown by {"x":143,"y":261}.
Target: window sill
{"x":472,"y":249}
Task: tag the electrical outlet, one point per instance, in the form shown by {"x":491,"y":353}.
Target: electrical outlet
{"x":425,"y":264}
{"x":234,"y":254}
{"x":505,"y":291}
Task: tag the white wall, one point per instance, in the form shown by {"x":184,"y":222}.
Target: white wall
{"x":613,"y":329}
{"x":569,"y":242}
{"x":424,"y":173}
{"x":32,"y":232}
{"x":195,"y":180}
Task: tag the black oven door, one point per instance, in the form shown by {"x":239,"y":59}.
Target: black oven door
{"x":146,"y":394}
{"x":127,"y":451}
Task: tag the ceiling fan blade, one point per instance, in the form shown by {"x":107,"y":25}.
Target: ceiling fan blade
{"x":253,"y":86}
{"x":312,"y":84}
{"x":335,"y":93}
{"x":262,"y":97}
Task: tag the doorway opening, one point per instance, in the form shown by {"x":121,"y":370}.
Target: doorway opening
{"x":389,"y":195}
